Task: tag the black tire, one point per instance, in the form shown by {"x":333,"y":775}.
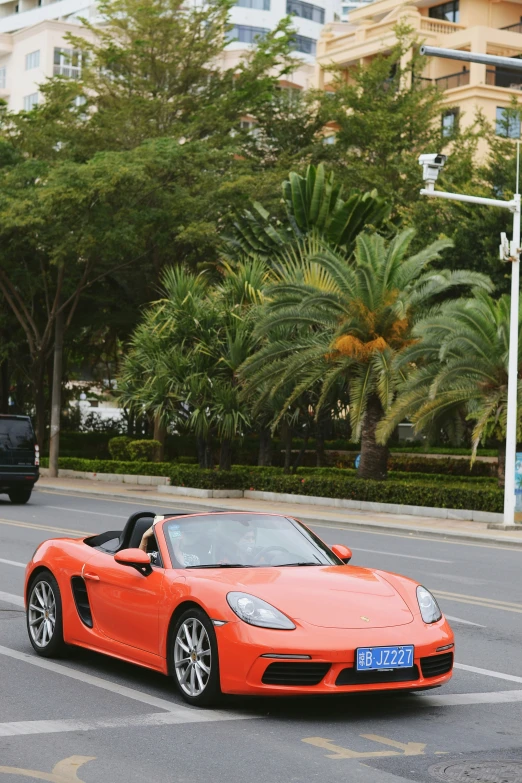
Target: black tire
{"x":44,"y":595}
{"x":19,"y":496}
{"x":211,"y":692}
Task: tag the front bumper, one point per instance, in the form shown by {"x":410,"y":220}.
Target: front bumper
{"x":242,"y":667}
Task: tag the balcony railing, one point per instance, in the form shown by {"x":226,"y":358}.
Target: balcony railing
{"x":71,"y":71}
{"x":498,"y":77}
{"x":514,"y":28}
{"x":459,"y":79}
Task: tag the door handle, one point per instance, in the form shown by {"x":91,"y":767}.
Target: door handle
{"x":92,"y":577}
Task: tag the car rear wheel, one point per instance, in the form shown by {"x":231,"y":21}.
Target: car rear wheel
{"x":44,"y":616}
{"x":19,"y":496}
{"x":193,"y":658}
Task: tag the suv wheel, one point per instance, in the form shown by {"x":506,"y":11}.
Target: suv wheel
{"x":19,"y":496}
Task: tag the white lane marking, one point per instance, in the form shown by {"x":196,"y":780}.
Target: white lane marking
{"x":182,"y":715}
{"x":13,"y":563}
{"x":399,"y":554}
{"x":463,"y":622}
{"x":17,"y":728}
{"x":10,"y":598}
{"x":488,"y":672}
{"x":83,"y":511}
{"x":185,"y":713}
{"x":462,"y":699}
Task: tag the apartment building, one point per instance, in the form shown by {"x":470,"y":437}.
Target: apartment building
{"x":486,"y":26}
{"x":32,"y":45}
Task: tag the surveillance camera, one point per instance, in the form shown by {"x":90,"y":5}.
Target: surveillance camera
{"x":431,"y":165}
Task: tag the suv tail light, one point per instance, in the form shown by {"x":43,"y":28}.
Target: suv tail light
{"x":36,"y":455}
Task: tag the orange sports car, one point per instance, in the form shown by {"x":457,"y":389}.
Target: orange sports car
{"x":244,"y":603}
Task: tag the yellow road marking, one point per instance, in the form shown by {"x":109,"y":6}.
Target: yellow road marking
{"x":66,"y":771}
{"x":338,"y":752}
{"x":486,"y":603}
{"x":52,"y":528}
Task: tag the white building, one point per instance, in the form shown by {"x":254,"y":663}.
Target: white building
{"x":351,"y":5}
{"x":32,"y":46}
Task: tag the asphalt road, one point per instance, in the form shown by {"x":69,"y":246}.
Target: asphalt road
{"x":89,"y":718}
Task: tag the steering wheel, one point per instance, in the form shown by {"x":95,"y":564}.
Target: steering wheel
{"x":265,"y":550}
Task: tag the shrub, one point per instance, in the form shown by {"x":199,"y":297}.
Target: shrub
{"x":119,"y":447}
{"x":187,"y":460}
{"x":113,"y":466}
{"x":144,"y":450}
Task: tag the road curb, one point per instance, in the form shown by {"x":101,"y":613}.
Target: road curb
{"x":351,"y":524}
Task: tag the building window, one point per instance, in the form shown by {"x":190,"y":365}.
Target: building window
{"x":246,"y":34}
{"x":3,"y":74}
{"x":508,"y":123}
{"x":32,"y":60}
{"x":259,"y":5}
{"x":30,"y":101}
{"x":450,"y":122}
{"x":67,"y":62}
{"x":305,"y":10}
{"x":300,"y":43}
{"x":449,"y":12}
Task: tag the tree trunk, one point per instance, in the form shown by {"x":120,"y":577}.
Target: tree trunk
{"x":4,"y":387}
{"x":374,"y":457}
{"x":160,"y":433}
{"x":201,"y":447}
{"x":265,"y":447}
{"x":39,"y":403}
{"x":56,"y":403}
{"x":501,"y":465}
{"x":320,"y":456}
{"x":300,"y":455}
{"x":286,"y":437}
{"x":225,"y":455}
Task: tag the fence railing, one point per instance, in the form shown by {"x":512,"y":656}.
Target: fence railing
{"x":460,"y":79}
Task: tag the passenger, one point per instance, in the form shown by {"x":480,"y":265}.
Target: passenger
{"x":247,"y":545}
{"x":176,"y":537}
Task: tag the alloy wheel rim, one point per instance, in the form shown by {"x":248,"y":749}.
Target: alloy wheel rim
{"x":42,"y":614}
{"x":192,"y":657}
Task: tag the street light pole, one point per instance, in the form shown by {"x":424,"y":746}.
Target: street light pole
{"x":513,"y":256}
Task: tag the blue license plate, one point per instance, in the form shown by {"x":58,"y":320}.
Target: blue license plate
{"x":374,"y":658}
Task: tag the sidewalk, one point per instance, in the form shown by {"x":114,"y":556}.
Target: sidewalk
{"x":325,"y":515}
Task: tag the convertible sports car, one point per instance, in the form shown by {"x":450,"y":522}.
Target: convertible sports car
{"x":244,"y":603}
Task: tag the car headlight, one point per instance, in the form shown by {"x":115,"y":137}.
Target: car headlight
{"x":255,"y":611}
{"x":428,"y":606}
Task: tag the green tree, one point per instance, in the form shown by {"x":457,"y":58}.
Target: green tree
{"x":460,"y":360}
{"x":347,"y":318}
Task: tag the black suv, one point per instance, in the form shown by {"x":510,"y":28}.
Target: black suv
{"x":19,"y":458}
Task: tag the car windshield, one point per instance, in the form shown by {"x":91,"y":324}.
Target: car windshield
{"x":243,"y":541}
{"x":15,"y":434}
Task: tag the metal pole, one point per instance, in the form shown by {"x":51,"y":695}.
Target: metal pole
{"x":511,"y":428}
{"x":472,"y":57}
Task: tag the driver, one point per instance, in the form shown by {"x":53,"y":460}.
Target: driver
{"x":247,"y":545}
{"x":176,"y":537}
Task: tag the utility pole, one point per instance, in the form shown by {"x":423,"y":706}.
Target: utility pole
{"x":509,"y":252}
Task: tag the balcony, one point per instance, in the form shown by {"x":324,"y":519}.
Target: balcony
{"x":500,"y":77}
{"x":514,"y":28}
{"x":70,"y":71}
{"x":460,"y":79}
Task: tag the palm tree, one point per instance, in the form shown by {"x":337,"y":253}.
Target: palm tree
{"x":334,"y":320}
{"x":461,"y":359}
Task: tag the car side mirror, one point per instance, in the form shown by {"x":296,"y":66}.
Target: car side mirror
{"x":135,"y":558}
{"x":342,"y":552}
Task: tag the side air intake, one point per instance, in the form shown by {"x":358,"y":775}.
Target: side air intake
{"x":81,"y":600}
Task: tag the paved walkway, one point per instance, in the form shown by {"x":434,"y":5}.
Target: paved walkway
{"x":429,"y":526}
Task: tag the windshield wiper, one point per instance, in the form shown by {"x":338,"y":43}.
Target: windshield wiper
{"x":313,"y":563}
{"x":219,"y":565}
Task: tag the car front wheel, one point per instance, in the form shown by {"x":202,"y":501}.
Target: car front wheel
{"x":193,"y":658}
{"x":44,"y":616}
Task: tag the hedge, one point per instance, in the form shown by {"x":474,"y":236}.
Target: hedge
{"x":405,"y":489}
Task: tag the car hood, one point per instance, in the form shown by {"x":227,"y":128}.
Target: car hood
{"x":327,"y":597}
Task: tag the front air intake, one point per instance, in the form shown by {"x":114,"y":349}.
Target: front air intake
{"x":295,"y":673}
{"x":436,"y":665}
